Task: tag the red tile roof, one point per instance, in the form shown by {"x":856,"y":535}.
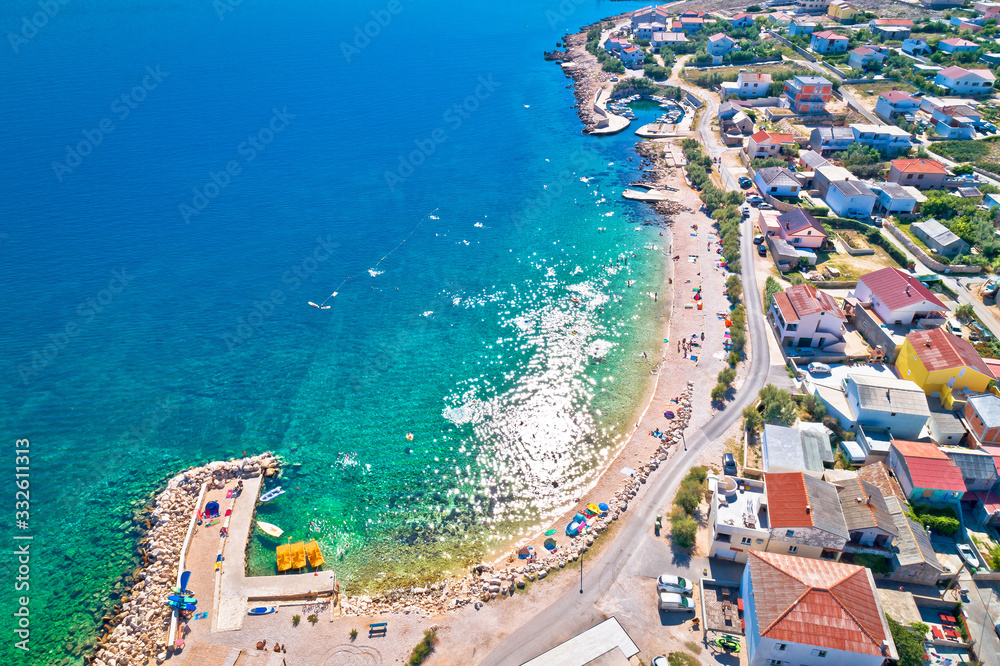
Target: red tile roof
{"x":929,"y":467}
{"x":764,"y":136}
{"x":787,"y":500}
{"x":898,"y":289}
{"x":804,"y":299}
{"x":954,"y":72}
{"x":740,"y":17}
{"x":940,"y":350}
{"x":829,"y":34}
{"x":754,"y":77}
{"x":920,"y":166}
{"x":897,"y":96}
{"x":888,"y":22}
{"x":958,"y":41}
{"x":862,"y":51}
{"x":815,"y":602}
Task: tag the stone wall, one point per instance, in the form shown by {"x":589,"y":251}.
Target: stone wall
{"x":933,"y":264}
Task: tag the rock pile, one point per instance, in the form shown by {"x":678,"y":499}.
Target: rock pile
{"x":138,"y":630}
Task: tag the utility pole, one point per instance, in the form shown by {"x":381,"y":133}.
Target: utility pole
{"x":581,"y":571}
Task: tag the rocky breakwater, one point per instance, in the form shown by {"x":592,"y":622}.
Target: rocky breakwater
{"x":137,"y":633}
{"x":486,"y":582}
{"x":582,"y":66}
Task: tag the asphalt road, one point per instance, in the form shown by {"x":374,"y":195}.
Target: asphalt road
{"x":574,"y":612}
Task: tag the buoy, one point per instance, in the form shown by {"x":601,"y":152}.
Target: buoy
{"x":409,"y":436}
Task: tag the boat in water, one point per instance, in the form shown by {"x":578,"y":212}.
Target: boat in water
{"x":313,"y":553}
{"x":269,"y":529}
{"x":271,"y":494}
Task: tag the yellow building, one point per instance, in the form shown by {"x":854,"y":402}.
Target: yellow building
{"x":936,"y":359}
{"x":842,"y":12}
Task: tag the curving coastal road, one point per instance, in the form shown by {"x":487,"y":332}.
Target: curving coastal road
{"x":574,"y":612}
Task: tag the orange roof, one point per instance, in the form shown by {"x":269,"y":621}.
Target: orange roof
{"x":920,"y":166}
{"x":764,"y":136}
{"x":927,"y":450}
{"x":940,"y":350}
{"x":804,"y":299}
{"x":830,"y":34}
{"x":787,"y":500}
{"x":815,"y":602}
{"x":904,"y":22}
{"x":751,"y":77}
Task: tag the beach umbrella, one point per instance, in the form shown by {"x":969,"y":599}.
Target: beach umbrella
{"x":550,"y":544}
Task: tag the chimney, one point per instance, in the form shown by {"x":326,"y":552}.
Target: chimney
{"x":808,"y":509}
{"x":869,"y":500}
{"x":907,"y":289}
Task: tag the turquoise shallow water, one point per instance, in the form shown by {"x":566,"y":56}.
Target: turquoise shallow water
{"x":503,"y":335}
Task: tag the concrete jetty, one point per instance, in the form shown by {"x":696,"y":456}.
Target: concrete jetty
{"x":651,"y":195}
{"x":657,"y":131}
{"x":609,"y":123}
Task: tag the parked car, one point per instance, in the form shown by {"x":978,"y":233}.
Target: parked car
{"x":745,"y":210}
{"x":729,"y":464}
{"x":671,"y":583}
{"x":662,"y":661}
{"x":753,"y":200}
{"x":745,"y":182}
{"x":855,"y":215}
{"x":818,"y":368}
{"x":954,"y":328}
{"x":758,"y":239}
{"x":968,"y":555}
{"x":614,"y":79}
{"x":765,"y":206}
{"x":671,"y":601}
{"x":761,"y":250}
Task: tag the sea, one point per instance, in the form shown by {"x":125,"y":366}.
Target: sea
{"x":183,"y":177}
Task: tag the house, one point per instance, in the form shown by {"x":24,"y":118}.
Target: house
{"x":889,"y":139}
{"x":869,"y":522}
{"x":785,"y":256}
{"x":780,"y":19}
{"x":651,"y":14}
{"x":945,"y":428}
{"x":616,"y":45}
{"x":937,"y":360}
{"x":988,"y":10}
{"x":825,"y":175}
{"x":720,"y":44}
{"x":810,"y":160}
{"x":848,"y":197}
{"x":767,"y":144}
{"x":957,"y":45}
{"x":812,"y":612}
{"x":646,"y":30}
{"x":801,"y":27}
{"x":970,"y":24}
{"x":961,"y":81}
{"x":987,"y":508}
{"x":805,"y":516}
{"x":748,"y":85}
{"x":801,"y":229}
{"x":691,"y":24}
{"x":973,"y":193}
{"x":803,"y":316}
{"x":737,"y":519}
{"x":828,"y":41}
{"x":930,"y":103}
{"x":979,"y":473}
{"x":742,"y":122}
{"x":632,"y":56}
{"x":842,"y":11}
{"x":729,"y":109}
{"x":956,"y":122}
{"x":916,"y":47}
{"x":914,"y":560}
{"x":982,"y":414}
{"x":811,"y":6}
{"x":777,"y":181}
{"x":808,"y":94}
{"x":796,"y":449}
{"x":882,"y":402}
{"x":896,"y":199}
{"x":898,"y":298}
{"x":826,"y":140}
{"x":865,"y":55}
{"x":895,"y":29}
{"x":668,"y":39}
{"x":925,"y":472}
{"x":921,"y":173}
{"x":939,"y":238}
{"x":894,"y":103}
{"x":743,"y":21}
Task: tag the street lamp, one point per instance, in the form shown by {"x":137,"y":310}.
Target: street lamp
{"x":581,"y":571}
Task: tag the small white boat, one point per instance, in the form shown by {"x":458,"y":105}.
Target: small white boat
{"x":270,"y":529}
{"x":261,"y":610}
{"x":271,"y":494}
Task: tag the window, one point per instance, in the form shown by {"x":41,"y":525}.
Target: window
{"x":760,"y":542}
{"x":746,"y":541}
{"x":791,"y":551}
{"x":792,"y":327}
{"x":789,"y":533}
{"x":774,"y":662}
{"x":819,"y":653}
{"x":722,"y":537}
{"x":920,"y":177}
{"x":782,"y":646}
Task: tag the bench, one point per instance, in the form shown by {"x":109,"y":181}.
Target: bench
{"x":377,"y":628}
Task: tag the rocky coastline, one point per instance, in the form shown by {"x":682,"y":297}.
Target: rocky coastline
{"x":137,"y":631}
{"x":581,"y":66}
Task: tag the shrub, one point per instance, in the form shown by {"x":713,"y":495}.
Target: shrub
{"x":296,"y":619}
{"x":354,"y":634}
{"x":909,"y":643}
{"x":961,"y":151}
{"x":718,"y":392}
{"x":814,"y":407}
{"x":771,"y":287}
{"x":752,"y":419}
{"x":940,"y":519}
{"x":778,"y":406}
{"x":424,"y":648}
{"x":683,"y":528}
{"x":656,"y":72}
{"x":614,"y":66}
{"x":313,"y":619}
{"x":688,"y":495}
{"x":876,"y":563}
{"x":727,"y":376}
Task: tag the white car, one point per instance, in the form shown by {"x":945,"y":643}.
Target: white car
{"x":954,"y":328}
{"x":818,"y":368}
{"x":669,"y":583}
{"x":670,"y":601}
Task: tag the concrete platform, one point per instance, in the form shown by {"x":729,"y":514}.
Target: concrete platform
{"x":607,"y":641}
{"x":657,"y":131}
{"x":650,"y":195}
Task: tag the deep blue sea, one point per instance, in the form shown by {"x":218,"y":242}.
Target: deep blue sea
{"x":181,"y":177}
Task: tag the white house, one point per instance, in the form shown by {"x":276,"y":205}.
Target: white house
{"x":632,"y":56}
{"x":863,"y":55}
{"x":667,"y":39}
{"x":748,"y":85}
{"x":812,"y":612}
{"x":895,"y":199}
{"x":720,"y":44}
{"x":887,"y":138}
{"x":825,"y":140}
{"x":737,"y":519}
{"x":849,"y":197}
{"x":881,"y":401}
{"x":960,"y":81}
{"x":956,"y":122}
{"x":957,"y":45}
{"x":898,"y":297}
{"x":801,"y":27}
{"x":647,"y":30}
{"x":650,"y":14}
{"x":803,"y":316}
{"x":777,"y":181}
{"x":767,"y":144}
{"x":828,"y":41}
{"x":916,"y":47}
{"x":895,"y":103}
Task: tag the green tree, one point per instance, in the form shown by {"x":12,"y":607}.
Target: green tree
{"x":779,"y":408}
{"x":752,"y":419}
{"x":909,"y":643}
{"x":683,"y":528}
{"x":814,"y":407}
{"x":726,"y":376}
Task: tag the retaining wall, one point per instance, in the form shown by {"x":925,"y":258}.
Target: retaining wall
{"x":933,"y":264}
